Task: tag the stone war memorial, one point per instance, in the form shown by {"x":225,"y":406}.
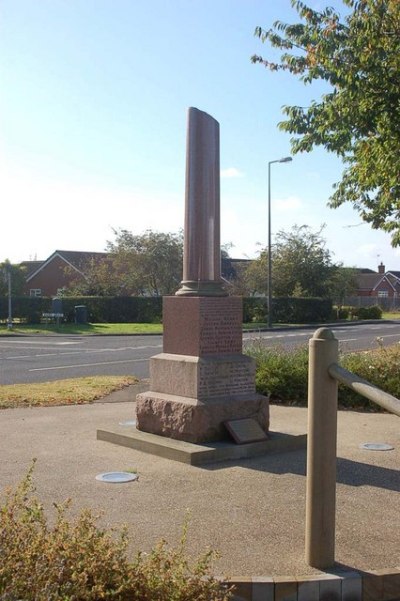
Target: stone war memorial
{"x":201,"y":382}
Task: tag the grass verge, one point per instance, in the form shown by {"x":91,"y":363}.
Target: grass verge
{"x":84,"y":329}
{"x":74,"y":391}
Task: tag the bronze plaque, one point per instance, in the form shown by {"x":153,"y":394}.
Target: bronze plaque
{"x":245,"y":430}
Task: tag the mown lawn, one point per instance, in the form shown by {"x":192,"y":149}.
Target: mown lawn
{"x":73,"y":391}
{"x":84,"y":329}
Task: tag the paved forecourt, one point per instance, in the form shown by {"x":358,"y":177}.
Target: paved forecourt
{"x":251,"y":510}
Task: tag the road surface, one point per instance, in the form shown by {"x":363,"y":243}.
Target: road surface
{"x":25,"y":359}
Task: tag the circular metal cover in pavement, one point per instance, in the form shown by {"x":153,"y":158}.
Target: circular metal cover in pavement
{"x":376,"y":446}
{"x":117,"y":477}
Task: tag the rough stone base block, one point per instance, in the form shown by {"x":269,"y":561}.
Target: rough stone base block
{"x":196,"y":421}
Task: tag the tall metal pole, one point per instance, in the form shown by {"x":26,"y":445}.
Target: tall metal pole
{"x":269,"y":298}
{"x":9,"y":320}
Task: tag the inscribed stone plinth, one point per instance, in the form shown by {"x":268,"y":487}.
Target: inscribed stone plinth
{"x":202,"y":325}
{"x":203,"y":378}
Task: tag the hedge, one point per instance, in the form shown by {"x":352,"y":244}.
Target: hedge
{"x":100,"y":309}
{"x":129,"y":309}
{"x":288,"y":310}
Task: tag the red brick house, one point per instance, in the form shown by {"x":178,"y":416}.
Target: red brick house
{"x":50,"y":277}
{"x":384,"y":284}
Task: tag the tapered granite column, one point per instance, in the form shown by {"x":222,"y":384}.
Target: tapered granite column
{"x":202,"y":247}
{"x":201,"y":379}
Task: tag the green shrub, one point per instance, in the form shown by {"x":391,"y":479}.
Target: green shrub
{"x":373,"y":312}
{"x":284,"y":373}
{"x":78,"y":561}
{"x":341,"y":312}
{"x":281,"y":373}
{"x":380,"y":367}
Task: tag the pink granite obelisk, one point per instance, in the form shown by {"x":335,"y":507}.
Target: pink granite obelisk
{"x":201,"y":379}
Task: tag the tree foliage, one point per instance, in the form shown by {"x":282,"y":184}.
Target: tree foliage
{"x":359,"y":119}
{"x":302,"y":266}
{"x":17,"y":278}
{"x":148,"y":264}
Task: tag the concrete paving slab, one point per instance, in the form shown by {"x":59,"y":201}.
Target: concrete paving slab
{"x":251,"y":510}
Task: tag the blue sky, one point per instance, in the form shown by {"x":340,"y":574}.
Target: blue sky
{"x":93,"y":107}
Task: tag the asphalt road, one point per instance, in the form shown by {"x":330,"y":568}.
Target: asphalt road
{"x":25,"y":359}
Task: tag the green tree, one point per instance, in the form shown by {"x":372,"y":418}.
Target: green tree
{"x":255,"y":276}
{"x":97,"y":277}
{"x":18,"y":275}
{"x":148,"y":264}
{"x":359,"y":118}
{"x":343,"y":284}
{"x":301,"y":265}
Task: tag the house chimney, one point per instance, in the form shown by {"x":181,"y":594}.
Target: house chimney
{"x":381,"y":268}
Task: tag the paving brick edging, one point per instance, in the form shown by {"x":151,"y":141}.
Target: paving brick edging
{"x":377,"y":585}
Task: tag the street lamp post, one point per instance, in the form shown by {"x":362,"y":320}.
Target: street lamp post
{"x":9,"y":319}
{"x":269,"y":300}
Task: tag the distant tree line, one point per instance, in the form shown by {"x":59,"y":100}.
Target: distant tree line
{"x":150,"y":265}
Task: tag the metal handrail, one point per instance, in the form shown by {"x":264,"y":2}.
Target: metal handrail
{"x":366,"y":389}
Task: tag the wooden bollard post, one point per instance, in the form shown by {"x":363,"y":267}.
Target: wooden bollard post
{"x":321,"y":451}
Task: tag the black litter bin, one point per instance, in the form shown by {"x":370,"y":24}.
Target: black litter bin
{"x":81,"y":314}
{"x":56,"y":305}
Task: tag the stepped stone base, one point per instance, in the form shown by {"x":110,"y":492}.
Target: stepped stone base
{"x":193,"y":420}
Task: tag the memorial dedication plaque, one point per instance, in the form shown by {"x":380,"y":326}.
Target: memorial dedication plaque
{"x":245,"y":430}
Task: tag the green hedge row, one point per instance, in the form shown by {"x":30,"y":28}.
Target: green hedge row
{"x":128,"y":309}
{"x":288,"y":310}
{"x":100,"y":309}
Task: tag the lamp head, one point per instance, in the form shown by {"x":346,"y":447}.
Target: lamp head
{"x":286,"y":160}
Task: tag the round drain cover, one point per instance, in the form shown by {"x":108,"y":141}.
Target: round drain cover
{"x":129,"y":422}
{"x":377,"y":446}
{"x":117,"y":477}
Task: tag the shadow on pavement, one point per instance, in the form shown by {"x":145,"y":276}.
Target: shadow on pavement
{"x":349,"y":472}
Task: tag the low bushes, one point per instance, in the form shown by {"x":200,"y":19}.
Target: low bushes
{"x":373,"y":312}
{"x":380,"y":367}
{"x":349,"y":312}
{"x":78,"y":561}
{"x":284,"y":373}
{"x":281,"y":373}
